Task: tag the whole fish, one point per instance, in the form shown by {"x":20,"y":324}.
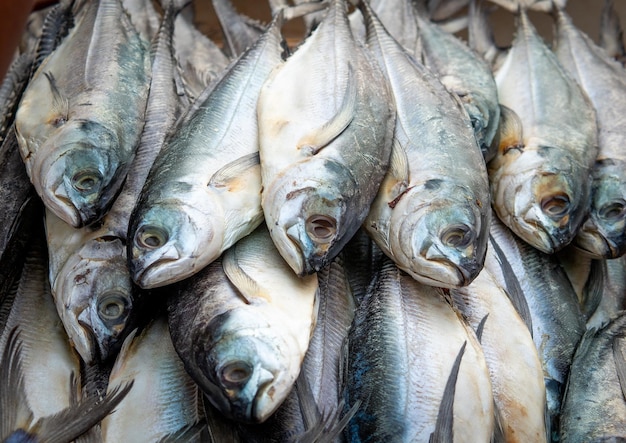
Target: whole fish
{"x":594,"y":408}
{"x":431,"y":214}
{"x":164,"y":399}
{"x":242,"y":326}
{"x":516,"y":372}
{"x":325,"y":148}
{"x":401,"y":350}
{"x":555,"y":315}
{"x":79,"y":120}
{"x":465,"y":74}
{"x":547,"y":145}
{"x":603,"y":234}
{"x":96,"y":298}
{"x":203,"y":192}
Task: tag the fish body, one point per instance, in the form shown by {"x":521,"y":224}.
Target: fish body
{"x":431,"y":214}
{"x":611,"y":34}
{"x":546,"y":147}
{"x":593,"y":407}
{"x":555,"y":315}
{"x":164,"y":399}
{"x":519,"y":391}
{"x":96,"y":298}
{"x":240,"y":32}
{"x":466,"y":74}
{"x":324,"y":149}
{"x":203,"y":192}
{"x":401,"y":348}
{"x":613,"y":293}
{"x":603,"y":234}
{"x":242,"y":326}
{"x":79,"y":123}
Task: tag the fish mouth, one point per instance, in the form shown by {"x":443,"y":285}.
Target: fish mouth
{"x":444,"y":274}
{"x":166,"y":268}
{"x":596,"y":245}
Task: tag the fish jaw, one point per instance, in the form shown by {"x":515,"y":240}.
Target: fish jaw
{"x":603,"y":234}
{"x":80,"y":183}
{"x":94,"y":299}
{"x":310,"y":219}
{"x":447,"y":238}
{"x":173,"y":240}
{"x":247,"y":378}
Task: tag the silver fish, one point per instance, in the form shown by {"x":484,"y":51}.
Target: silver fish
{"x":516,"y":373}
{"x":431,"y":214}
{"x":593,"y":406}
{"x":324,"y":149}
{"x":79,"y":122}
{"x":164,"y":398}
{"x":547,"y":145}
{"x":603,"y":234}
{"x":91,"y":282}
{"x":555,"y":316}
{"x":242,"y":326}
{"x":402,"y":347}
{"x":203,"y":192}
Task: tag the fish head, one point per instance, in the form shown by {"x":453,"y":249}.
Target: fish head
{"x":171,"y":240}
{"x":245,"y":368}
{"x":95,"y":299}
{"x":439,"y":236}
{"x":82,"y":177}
{"x":603,"y":234}
{"x":310,"y":216}
{"x":542,"y":205}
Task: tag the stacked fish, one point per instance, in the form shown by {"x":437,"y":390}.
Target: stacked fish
{"x":269,"y":243}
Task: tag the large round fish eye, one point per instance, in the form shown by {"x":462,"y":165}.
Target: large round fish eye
{"x":555,"y":206}
{"x":151,"y":237}
{"x":112,"y":307}
{"x":457,"y":236}
{"x":612,"y":211}
{"x":87,"y":180}
{"x":321,"y":228}
{"x":235,"y":374}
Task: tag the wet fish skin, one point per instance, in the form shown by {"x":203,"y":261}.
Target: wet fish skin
{"x":240,"y":32}
{"x":160,"y":381}
{"x":431,"y":212}
{"x":611,"y":34}
{"x":602,"y":235}
{"x":78,"y":146}
{"x":206,"y":174}
{"x":401,"y":397}
{"x":323,"y":151}
{"x":539,"y":176}
{"x":593,"y":406}
{"x":242,"y":326}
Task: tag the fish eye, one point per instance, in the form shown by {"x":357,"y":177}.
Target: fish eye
{"x":235,"y":374}
{"x":457,"y":236}
{"x":86,"y":181}
{"x":555,"y":206}
{"x":613,"y":210}
{"x":321,"y":228}
{"x":151,"y":237}
{"x":112,"y":307}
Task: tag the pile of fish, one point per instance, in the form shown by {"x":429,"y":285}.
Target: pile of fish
{"x":376,"y":233}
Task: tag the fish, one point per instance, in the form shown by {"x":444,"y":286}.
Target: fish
{"x":70,"y":109}
{"x":547,"y":145}
{"x":92,"y":285}
{"x":611,"y":34}
{"x":203,"y":192}
{"x":465,"y":74}
{"x":603,"y":233}
{"x":593,"y":405}
{"x":402,"y":347}
{"x":19,"y":424}
{"x":11,"y":89}
{"x":516,"y":372}
{"x":431,"y":214}
{"x":555,"y":314}
{"x":239,"y":32}
{"x":164,"y":398}
{"x":242,"y":327}
{"x":323,"y":149}
{"x":613,"y":299}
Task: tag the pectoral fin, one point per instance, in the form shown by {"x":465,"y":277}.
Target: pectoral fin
{"x":246,"y":286}
{"x":230,"y":175}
